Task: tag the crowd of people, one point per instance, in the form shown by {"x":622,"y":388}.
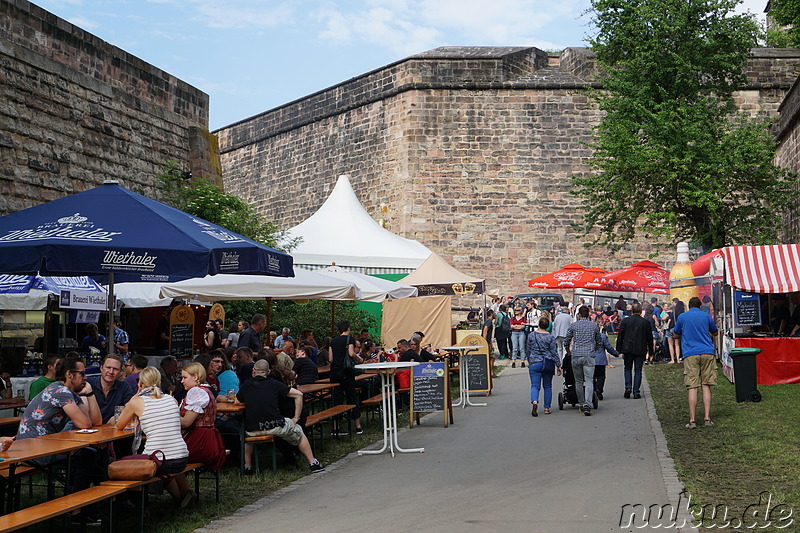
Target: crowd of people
{"x":176,"y":408}
{"x":576,"y":337}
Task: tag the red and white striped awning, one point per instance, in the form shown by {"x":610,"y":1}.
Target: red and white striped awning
{"x":764,"y":269}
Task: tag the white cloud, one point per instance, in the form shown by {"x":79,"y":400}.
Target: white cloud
{"x":411,"y":26}
{"x":83,"y":23}
{"x":236,"y":14}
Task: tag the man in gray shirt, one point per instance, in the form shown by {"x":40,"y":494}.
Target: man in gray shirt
{"x":561,"y":324}
{"x":583,"y":338}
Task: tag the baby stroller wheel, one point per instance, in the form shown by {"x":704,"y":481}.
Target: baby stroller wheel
{"x":595,"y":401}
{"x":560,"y":401}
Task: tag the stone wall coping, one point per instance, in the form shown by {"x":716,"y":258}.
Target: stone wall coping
{"x":104,"y":50}
{"x":789,"y":112}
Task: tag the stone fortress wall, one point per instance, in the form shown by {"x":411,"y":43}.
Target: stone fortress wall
{"x":75,"y":110}
{"x":470,"y":148}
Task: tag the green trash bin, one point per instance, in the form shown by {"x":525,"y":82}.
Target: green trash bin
{"x":744,"y":374}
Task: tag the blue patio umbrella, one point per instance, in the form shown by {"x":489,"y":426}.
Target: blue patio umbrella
{"x":31,"y":292}
{"x":111,"y":230}
{"x":113,"y":234}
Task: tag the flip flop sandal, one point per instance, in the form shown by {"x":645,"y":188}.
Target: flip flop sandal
{"x":546,"y":411}
{"x":691,"y":425}
{"x":708,"y":422}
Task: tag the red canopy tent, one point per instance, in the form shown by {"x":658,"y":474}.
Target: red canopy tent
{"x":644,"y":276}
{"x":570,"y":276}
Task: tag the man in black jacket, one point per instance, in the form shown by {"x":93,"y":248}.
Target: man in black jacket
{"x":634,"y":342}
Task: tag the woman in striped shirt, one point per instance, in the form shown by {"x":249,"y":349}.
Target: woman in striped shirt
{"x":160,"y":420}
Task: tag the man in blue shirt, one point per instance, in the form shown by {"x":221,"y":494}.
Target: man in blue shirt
{"x":694,"y":329}
{"x":109,"y":390}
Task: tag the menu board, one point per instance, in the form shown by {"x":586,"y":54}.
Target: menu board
{"x":747,"y":309}
{"x":181,"y":340}
{"x":477,"y":371}
{"x":429,"y":387}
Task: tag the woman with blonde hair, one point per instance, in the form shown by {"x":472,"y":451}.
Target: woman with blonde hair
{"x":160,"y":420}
{"x":198,"y":413}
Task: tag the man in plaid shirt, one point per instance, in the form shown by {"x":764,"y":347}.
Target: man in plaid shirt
{"x":583,"y":338}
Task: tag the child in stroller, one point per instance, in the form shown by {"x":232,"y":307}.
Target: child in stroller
{"x":569,"y":395}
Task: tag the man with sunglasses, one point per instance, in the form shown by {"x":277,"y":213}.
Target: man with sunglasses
{"x":69,"y":398}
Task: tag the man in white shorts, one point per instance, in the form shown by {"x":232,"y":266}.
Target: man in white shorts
{"x":262,"y":396}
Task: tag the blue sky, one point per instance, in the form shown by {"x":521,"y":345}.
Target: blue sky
{"x":254,"y":55}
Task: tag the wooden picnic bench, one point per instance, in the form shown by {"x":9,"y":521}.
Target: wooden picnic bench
{"x":60,"y":506}
{"x":141,"y":486}
{"x":316,"y":422}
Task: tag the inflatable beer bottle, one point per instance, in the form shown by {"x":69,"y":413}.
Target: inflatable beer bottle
{"x":682,"y":290}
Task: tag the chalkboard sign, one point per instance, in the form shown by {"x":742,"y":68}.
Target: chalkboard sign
{"x":430,"y":387}
{"x":477,"y":371}
{"x":747,"y":308}
{"x":180,"y":343}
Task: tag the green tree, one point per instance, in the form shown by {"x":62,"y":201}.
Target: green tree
{"x":204,"y":199}
{"x":784,"y":13}
{"x":672,"y":158}
{"x":314,"y":315}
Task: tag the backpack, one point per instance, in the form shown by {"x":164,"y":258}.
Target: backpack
{"x":505,"y":323}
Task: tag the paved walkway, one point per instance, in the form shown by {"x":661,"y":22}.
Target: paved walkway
{"x":496,"y":469}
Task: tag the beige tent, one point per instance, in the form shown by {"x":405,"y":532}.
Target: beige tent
{"x":431,"y":315}
{"x":436,"y":277}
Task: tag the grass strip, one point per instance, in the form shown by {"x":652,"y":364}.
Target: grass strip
{"x":752,"y":449}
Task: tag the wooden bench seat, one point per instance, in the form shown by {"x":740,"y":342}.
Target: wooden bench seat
{"x":59,"y":506}
{"x":316,"y":421}
{"x":374,"y":401}
{"x":263,"y":439}
{"x":327,"y":414}
{"x":141,"y":485}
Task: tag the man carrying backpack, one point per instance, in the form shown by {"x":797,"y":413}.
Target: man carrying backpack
{"x":502,"y":331}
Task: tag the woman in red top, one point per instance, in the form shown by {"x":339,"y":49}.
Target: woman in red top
{"x":518,"y":322}
{"x":198,"y":417}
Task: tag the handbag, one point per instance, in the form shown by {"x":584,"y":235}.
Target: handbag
{"x":348,"y":364}
{"x":140,"y":467}
{"x":548,"y":365}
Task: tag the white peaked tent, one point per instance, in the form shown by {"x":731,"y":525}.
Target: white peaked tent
{"x":372,"y":289}
{"x":342,"y":232}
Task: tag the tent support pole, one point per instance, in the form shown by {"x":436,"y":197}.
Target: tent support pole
{"x":333,"y":319}
{"x":269,"y":316}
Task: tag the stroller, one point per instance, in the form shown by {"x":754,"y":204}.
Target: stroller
{"x":569,"y":395}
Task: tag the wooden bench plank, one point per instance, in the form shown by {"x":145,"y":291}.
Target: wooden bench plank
{"x":375,"y":400}
{"x":260,"y":438}
{"x":51,"y":509}
{"x":329,"y":413}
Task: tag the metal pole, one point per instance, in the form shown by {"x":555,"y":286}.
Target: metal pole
{"x":269,"y":316}
{"x":110,"y":338}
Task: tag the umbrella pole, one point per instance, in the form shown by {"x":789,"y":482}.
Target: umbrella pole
{"x":110,"y":337}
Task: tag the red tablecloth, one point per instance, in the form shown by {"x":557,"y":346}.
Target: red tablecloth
{"x":779,"y":360}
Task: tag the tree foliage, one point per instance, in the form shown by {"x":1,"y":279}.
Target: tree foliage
{"x":784,"y":13}
{"x":204,"y":199}
{"x":672,"y":158}
{"x":314,"y":315}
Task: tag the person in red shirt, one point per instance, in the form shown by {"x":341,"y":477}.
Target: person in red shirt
{"x":518,"y":322}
